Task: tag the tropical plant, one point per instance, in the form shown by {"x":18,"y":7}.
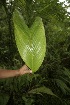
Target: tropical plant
{"x":54,"y":72}
{"x":31,"y":42}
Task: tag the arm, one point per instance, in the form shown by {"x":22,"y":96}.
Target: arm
{"x":12,"y":73}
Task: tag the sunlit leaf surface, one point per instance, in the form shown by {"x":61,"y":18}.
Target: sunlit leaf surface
{"x":31,"y":42}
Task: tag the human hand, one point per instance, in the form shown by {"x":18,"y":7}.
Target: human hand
{"x":24,"y":70}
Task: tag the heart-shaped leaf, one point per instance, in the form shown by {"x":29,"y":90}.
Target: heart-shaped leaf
{"x":31,"y":42}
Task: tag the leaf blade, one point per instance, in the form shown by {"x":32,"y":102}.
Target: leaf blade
{"x":42,"y":89}
{"x":31,"y":42}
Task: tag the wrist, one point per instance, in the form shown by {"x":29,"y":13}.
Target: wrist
{"x":18,"y":73}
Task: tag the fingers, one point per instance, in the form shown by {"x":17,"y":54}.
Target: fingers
{"x":25,"y":70}
{"x":28,"y":71}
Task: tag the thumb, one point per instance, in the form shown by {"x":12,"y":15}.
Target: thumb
{"x":28,"y":71}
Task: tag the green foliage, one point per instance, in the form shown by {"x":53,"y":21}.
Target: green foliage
{"x":54,"y":72}
{"x":66,"y":72}
{"x":3,"y":99}
{"x":31,"y":42}
{"x":42,"y":90}
{"x":64,"y":88}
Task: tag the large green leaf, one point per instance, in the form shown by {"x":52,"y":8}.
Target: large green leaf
{"x":31,"y":42}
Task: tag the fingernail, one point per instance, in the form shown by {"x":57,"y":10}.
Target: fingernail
{"x":30,"y":71}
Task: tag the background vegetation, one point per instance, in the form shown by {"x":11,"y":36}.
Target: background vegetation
{"x":50,"y":85}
